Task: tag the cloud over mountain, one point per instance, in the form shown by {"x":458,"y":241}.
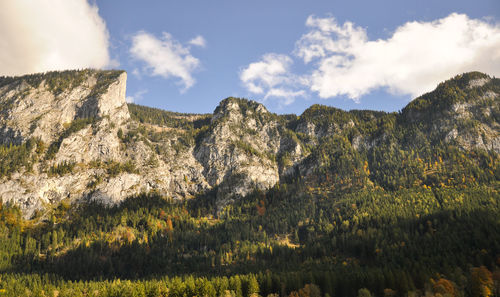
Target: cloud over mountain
{"x":341,"y":60}
{"x":47,"y":35}
{"x":271,"y":77}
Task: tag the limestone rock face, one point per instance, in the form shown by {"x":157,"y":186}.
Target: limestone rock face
{"x":35,"y":109}
{"x":483,"y":133}
{"x":469,"y":125}
{"x":237,"y":153}
{"x":39,"y":107}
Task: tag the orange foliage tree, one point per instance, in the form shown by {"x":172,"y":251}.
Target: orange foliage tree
{"x":481,"y":282}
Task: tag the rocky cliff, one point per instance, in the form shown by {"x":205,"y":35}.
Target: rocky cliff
{"x":71,"y":135}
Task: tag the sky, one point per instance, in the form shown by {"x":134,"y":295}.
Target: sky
{"x":187,"y":56}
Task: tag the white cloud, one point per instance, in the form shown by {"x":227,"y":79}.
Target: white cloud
{"x":412,"y":61}
{"x":271,"y":77}
{"x":137,"y":96}
{"x":319,"y":43}
{"x":267,"y":73}
{"x":165,"y":57}
{"x":286,"y":96}
{"x":47,"y":35}
{"x":198,"y":41}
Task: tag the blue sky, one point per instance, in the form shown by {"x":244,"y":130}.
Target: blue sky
{"x":259,"y":50}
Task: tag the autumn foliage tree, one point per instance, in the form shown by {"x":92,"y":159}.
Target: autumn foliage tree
{"x":443,"y":287}
{"x":481,"y":282}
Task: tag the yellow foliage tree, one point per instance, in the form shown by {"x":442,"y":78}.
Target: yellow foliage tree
{"x":481,"y":282}
{"x":443,"y":287}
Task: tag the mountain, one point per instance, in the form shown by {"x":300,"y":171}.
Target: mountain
{"x":71,"y":135}
{"x":104,"y":198}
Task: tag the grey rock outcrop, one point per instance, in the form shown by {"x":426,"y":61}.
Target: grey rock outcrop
{"x":34,"y":107}
{"x":237,"y":153}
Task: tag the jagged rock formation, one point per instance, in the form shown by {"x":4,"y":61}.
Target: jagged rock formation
{"x":70,"y":135}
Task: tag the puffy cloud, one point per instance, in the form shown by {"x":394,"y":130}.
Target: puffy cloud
{"x":271,"y":77}
{"x":47,"y":35}
{"x":285,"y":95}
{"x":343,"y":61}
{"x":198,"y":41}
{"x":413,"y":60}
{"x":319,"y":43}
{"x":165,"y":57}
{"x":267,"y":73}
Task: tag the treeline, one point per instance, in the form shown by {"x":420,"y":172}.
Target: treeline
{"x":60,"y":81}
{"x":144,"y":114}
{"x":479,"y":282}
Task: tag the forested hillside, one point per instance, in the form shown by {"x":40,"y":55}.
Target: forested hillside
{"x":366,"y":204}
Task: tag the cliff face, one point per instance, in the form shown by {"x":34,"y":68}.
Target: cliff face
{"x":38,"y":106}
{"x":74,"y":117}
{"x":70,"y":135}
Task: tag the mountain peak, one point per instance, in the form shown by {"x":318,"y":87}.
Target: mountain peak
{"x":230,"y":103}
{"x":466,"y":88}
{"x":471,"y":79}
{"x":233,"y":107}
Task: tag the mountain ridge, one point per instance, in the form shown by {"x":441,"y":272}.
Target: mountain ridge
{"x":87,"y":145}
